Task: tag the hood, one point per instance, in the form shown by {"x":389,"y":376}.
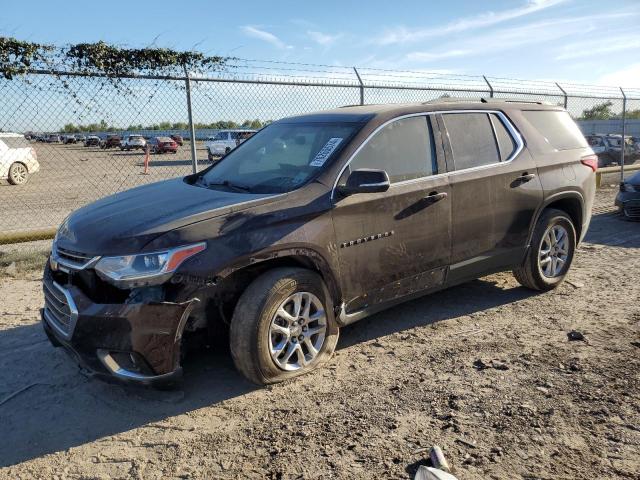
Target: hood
{"x":633,"y":179}
{"x":123,"y":223}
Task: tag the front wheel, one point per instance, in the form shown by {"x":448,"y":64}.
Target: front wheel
{"x":283,"y":326}
{"x":18,"y":174}
{"x":551,"y":252}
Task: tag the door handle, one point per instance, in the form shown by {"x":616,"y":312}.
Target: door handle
{"x":434,"y":197}
{"x":525,"y":177}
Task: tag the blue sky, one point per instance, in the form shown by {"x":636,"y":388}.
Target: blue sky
{"x":584,"y":41}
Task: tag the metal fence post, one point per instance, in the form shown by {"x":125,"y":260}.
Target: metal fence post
{"x":489,"y":85}
{"x":361,"y":86}
{"x":564,"y":93}
{"x":192,"y":130}
{"x":624,"y":131}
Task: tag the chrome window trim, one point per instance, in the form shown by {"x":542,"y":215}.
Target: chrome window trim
{"x":507,"y":123}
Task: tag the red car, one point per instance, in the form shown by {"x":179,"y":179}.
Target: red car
{"x":163,"y":145}
{"x":178,"y":139}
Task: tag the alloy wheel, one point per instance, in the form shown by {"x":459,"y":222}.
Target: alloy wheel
{"x":18,"y":173}
{"x":297,"y":331}
{"x":554,"y":251}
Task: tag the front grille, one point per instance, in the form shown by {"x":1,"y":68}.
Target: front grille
{"x":58,"y":310}
{"x":632,"y":209}
{"x":73,"y":257}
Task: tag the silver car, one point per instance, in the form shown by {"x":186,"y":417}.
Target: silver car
{"x":133,"y":142}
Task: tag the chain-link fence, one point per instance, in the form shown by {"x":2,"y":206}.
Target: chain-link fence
{"x":76,"y":132}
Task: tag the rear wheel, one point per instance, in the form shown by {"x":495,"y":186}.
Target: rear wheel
{"x":551,"y":252}
{"x":18,"y":174}
{"x":283,"y":326}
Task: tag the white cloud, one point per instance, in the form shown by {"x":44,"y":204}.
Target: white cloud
{"x":534,"y":33}
{"x":592,"y":48}
{"x":405,"y":35}
{"x":265,"y":37}
{"x":626,"y":77}
{"x":439,"y":55}
{"x":323,"y":39}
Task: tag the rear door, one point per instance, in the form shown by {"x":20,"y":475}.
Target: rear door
{"x":495,"y":192}
{"x":395,"y":243}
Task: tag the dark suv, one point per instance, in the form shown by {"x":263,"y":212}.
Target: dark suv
{"x":313,"y":223}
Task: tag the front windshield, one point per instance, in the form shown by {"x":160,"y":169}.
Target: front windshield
{"x":280,"y":157}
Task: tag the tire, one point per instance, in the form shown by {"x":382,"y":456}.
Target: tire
{"x":533,"y":274}
{"x":251,"y":336}
{"x":227,"y":150}
{"x":18,"y":174}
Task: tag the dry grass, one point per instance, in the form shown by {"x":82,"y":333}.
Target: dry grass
{"x":21,"y":264}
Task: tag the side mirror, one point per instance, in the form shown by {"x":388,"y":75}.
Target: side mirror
{"x":365,"y":180}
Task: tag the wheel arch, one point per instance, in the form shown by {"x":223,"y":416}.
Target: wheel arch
{"x":234,"y":280}
{"x":570,"y":202}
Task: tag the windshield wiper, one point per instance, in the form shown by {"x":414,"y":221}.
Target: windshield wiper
{"x":228,"y":184}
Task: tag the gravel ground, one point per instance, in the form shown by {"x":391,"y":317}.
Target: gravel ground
{"x":72,"y":175}
{"x":484,"y":370}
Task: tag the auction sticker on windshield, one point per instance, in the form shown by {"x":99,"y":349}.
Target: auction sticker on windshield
{"x":325,"y":152}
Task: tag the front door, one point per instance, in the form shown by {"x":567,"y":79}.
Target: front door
{"x":398,"y":242}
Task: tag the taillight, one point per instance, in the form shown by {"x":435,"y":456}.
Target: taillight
{"x":590,"y":161}
{"x":33,"y":153}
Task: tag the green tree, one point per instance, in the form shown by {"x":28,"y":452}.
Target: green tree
{"x":602,"y":111}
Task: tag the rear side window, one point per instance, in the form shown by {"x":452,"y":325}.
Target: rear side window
{"x":403,"y":148}
{"x":472,"y":140}
{"x":16,"y":142}
{"x":506,"y":144}
{"x":557,"y":128}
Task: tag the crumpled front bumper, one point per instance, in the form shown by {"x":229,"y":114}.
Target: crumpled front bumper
{"x":135,"y":343}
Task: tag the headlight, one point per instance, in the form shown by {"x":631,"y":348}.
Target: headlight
{"x":146,"y":268}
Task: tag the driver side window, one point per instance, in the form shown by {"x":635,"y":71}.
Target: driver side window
{"x":404,"y":149}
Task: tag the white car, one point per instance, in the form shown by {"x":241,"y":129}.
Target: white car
{"x":224,"y":141}
{"x":133,"y":142}
{"x":18,"y":159}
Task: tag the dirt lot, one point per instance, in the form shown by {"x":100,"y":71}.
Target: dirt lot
{"x":485,"y":370}
{"x":73,"y":175}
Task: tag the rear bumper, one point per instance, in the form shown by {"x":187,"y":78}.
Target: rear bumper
{"x":133,"y":343}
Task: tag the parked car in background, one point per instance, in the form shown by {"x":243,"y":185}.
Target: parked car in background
{"x":133,"y":142}
{"x":92,"y":141}
{"x":609,"y":150}
{"x":178,"y":139}
{"x":80,"y":138}
{"x":18,"y":159}
{"x":53,"y":138}
{"x":69,"y":139}
{"x":314,"y":223}
{"x":628,"y":198}
{"x":163,"y":145}
{"x":112,"y":141}
{"x":224,"y":141}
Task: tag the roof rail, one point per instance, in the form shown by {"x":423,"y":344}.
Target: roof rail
{"x":511,"y":100}
{"x":446,"y":99}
